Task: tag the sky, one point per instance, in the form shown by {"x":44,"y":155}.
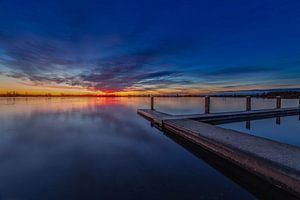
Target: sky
{"x":139,"y":47}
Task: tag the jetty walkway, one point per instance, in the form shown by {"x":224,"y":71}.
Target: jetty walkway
{"x":272,"y":161}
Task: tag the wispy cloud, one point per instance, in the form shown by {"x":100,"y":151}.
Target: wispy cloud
{"x":44,"y":62}
{"x":108,"y":47}
{"x":232,"y":71}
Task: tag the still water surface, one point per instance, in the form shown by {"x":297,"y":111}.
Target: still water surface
{"x":281,"y":129}
{"x":99,"y":148}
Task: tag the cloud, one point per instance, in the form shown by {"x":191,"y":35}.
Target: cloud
{"x":114,"y":73}
{"x":238,"y":70}
{"x":44,"y":61}
{"x":112,"y":81}
{"x":34,"y":54}
{"x":108,"y":47}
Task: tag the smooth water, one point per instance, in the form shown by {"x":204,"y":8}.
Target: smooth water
{"x":281,"y":129}
{"x":99,"y":148}
{"x":195,"y":105}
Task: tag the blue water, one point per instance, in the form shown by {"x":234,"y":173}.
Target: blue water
{"x":281,"y":129}
{"x":99,"y":148}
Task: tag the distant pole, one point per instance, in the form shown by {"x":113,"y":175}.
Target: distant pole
{"x":278,"y":102}
{"x":152,"y":103}
{"x":207,"y":104}
{"x":248,"y":103}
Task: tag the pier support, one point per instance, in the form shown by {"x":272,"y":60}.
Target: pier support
{"x":207,"y":104}
{"x":152,"y":103}
{"x":278,"y":102}
{"x":276,"y":163}
{"x":299,"y":102}
{"x":278,"y":120}
{"x":248,"y":124}
{"x":248,"y":103}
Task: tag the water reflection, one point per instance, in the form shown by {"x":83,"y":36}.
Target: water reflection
{"x":248,"y":124}
{"x":99,"y":148}
{"x":278,"y":120}
{"x":195,"y":105}
{"x":89,"y":148}
{"x":281,"y":128}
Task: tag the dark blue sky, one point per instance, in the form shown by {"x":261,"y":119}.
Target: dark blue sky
{"x":173,"y":46}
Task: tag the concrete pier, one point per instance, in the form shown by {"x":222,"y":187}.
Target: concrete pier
{"x":271,"y":161}
{"x":277,"y":163}
{"x":254,"y":184}
{"x":215,"y":118}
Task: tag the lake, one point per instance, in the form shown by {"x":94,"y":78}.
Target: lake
{"x":281,"y":129}
{"x":99,"y":148}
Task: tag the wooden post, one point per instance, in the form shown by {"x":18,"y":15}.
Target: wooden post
{"x":207,"y":104}
{"x":299,"y":107}
{"x":248,"y":103}
{"x":152,"y":103}
{"x":278,"y":120}
{"x":248,"y":124}
{"x":278,"y":102}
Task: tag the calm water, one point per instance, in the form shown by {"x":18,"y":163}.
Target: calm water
{"x":99,"y":148}
{"x":283,"y":129}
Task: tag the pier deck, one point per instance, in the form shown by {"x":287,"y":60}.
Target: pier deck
{"x":274,"y":162}
{"x":159,"y":117}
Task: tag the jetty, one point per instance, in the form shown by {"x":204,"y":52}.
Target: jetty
{"x":272,"y":161}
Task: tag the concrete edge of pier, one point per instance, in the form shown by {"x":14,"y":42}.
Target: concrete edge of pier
{"x":275,"y":162}
{"x":158,"y":117}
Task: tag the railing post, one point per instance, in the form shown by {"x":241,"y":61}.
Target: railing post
{"x":207,"y":104}
{"x":278,"y":102}
{"x":248,"y":103}
{"x":152,"y":103}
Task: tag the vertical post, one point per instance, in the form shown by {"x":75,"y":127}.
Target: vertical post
{"x":278,"y":102}
{"x":299,"y":107}
{"x":278,"y":120}
{"x":207,"y":104}
{"x":248,"y":124}
{"x":248,"y":103}
{"x":152,"y":103}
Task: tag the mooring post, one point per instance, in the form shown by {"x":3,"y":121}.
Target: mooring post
{"x":278,"y":102}
{"x":152,"y":103}
{"x":299,"y":107}
{"x":207,"y":104}
{"x":248,"y":124}
{"x":278,"y":120}
{"x":248,"y":103}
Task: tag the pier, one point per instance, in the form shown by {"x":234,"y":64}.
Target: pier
{"x":271,"y":161}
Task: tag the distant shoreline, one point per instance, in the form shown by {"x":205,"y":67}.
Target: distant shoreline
{"x":286,"y":95}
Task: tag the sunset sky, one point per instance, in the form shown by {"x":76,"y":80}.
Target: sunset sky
{"x":148,"y":46}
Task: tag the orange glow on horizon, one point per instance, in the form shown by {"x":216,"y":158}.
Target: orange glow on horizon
{"x":9,"y":85}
